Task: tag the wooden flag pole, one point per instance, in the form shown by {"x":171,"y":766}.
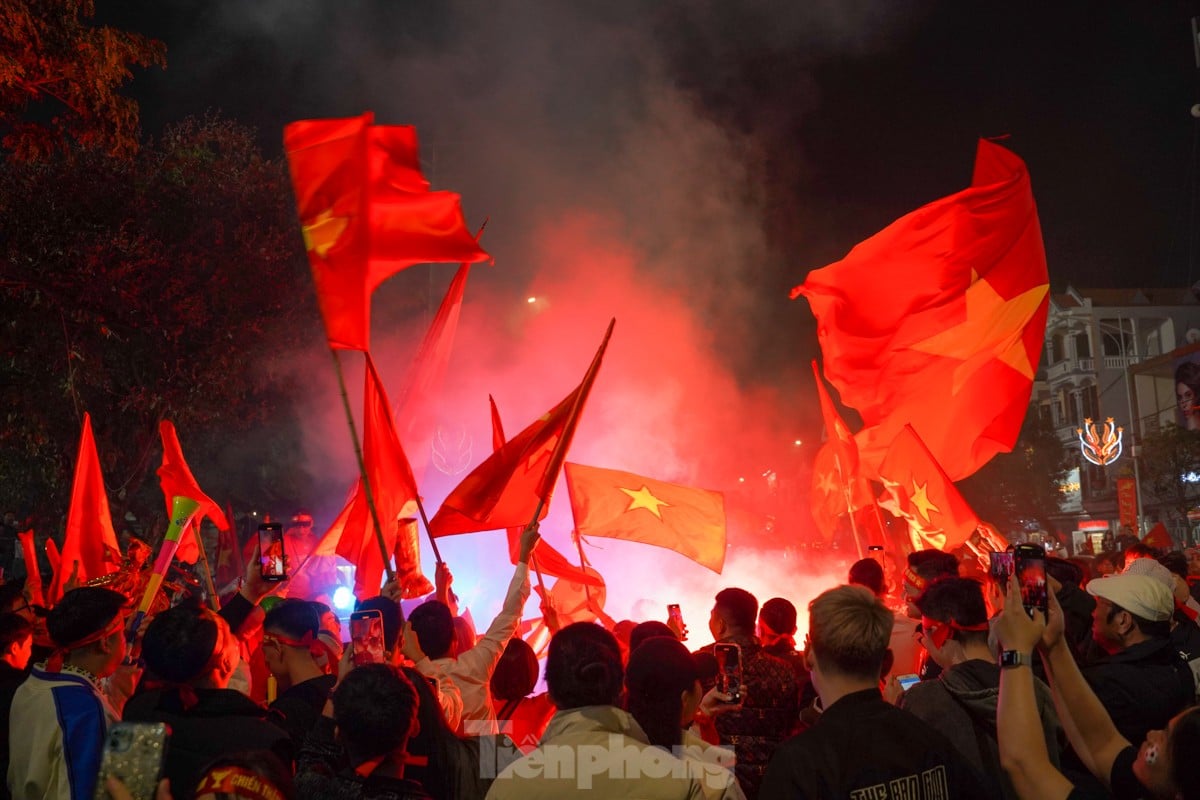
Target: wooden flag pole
{"x":583,"y":563}
{"x":362,"y":468}
{"x":437,"y":556}
{"x":213,"y":602}
{"x":849,"y":502}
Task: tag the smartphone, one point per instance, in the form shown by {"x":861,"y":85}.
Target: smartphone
{"x":366,"y":637}
{"x":134,"y":752}
{"x":272,"y":562}
{"x":729,"y":670}
{"x":908,"y":681}
{"x":1000,"y":568}
{"x":1029,"y":563}
{"x":676,"y":617}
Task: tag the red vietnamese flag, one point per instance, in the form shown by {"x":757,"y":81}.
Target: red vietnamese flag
{"x":507,"y":488}
{"x":937,"y":321}
{"x":367,"y":213}
{"x":176,"y":479}
{"x":828,"y":499}
{"x":621,"y":505}
{"x":89,"y":540}
{"x":229,"y":565}
{"x":548,"y":560}
{"x":918,"y":490}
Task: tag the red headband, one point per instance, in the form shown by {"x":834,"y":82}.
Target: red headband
{"x":316,"y":646}
{"x":238,"y":782}
{"x":55,"y":662}
{"x":912,"y":577}
{"x":939,"y":631}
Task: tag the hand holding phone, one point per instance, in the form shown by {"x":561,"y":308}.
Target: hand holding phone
{"x":272,"y":561}
{"x":1029,"y":564}
{"x":908,"y":681}
{"x":366,"y":637}
{"x":675,"y":622}
{"x":729,"y":670}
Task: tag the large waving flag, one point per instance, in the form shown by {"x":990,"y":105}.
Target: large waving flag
{"x":918,"y":490}
{"x":176,"y":479}
{"x":518,"y":479}
{"x":938,"y":320}
{"x":621,"y":505}
{"x":367,"y":213}
{"x":90,"y":540}
{"x":546,"y":559}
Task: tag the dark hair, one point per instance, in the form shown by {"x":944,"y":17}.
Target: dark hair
{"x":1155,"y":629}
{"x":779,"y":615}
{"x":516,"y":672}
{"x":13,"y":628}
{"x":706,"y":669}
{"x":659,"y":672}
{"x":262,"y":763}
{"x":867,"y":572}
{"x":1176,"y":562}
{"x":1183,"y":744}
{"x":933,"y":564}
{"x":1188,"y":373}
{"x":10,"y":593}
{"x":957,"y":600}
{"x":442,"y":774}
{"x":392,"y":619}
{"x":1100,"y":558}
{"x":82,"y":612}
{"x":1084,"y":566}
{"x":648,"y":630}
{"x":180,"y":643}
{"x":583,"y":667}
{"x":1065,"y":572}
{"x":321,"y":608}
{"x":433,"y":624}
{"x":375,"y":707}
{"x":738,"y":608}
{"x":1140,"y":550}
{"x":293,"y":618}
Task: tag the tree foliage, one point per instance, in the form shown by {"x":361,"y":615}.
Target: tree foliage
{"x":1166,"y":456}
{"x":60,"y":79}
{"x":155,"y":287}
{"x":1021,"y":485}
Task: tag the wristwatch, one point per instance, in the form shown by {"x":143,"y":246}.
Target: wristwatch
{"x":1015,"y":658}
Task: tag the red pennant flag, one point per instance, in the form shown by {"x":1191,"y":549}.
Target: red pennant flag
{"x":919,"y":491}
{"x":367,"y":213}
{"x":938,"y":320}
{"x":548,"y":560}
{"x":89,"y":539}
{"x":33,"y":571}
{"x":621,"y":505}
{"x":507,"y":488}
{"x":177,"y":480}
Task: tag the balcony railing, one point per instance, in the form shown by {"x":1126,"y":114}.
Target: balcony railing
{"x":1120,"y":362}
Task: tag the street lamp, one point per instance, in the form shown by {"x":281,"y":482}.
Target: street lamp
{"x":1119,"y":336}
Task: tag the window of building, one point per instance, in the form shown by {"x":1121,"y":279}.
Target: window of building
{"x":1117,"y":336}
{"x":1083,"y":346}
{"x":1057,"y":349}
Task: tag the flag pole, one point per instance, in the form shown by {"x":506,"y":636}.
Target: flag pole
{"x":362,"y":468}
{"x":437,"y":556}
{"x":583,"y":563}
{"x":213,"y":602}
{"x":564,"y":441}
{"x":837,"y":460}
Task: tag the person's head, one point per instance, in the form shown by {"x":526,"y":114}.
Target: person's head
{"x":848,"y":633}
{"x":252,"y":775}
{"x":776,"y":621}
{"x":1193,"y":560}
{"x":648,"y":630}
{"x":392,"y":620}
{"x":1130,"y":609}
{"x":733,"y":614}
{"x":1064,"y":571}
{"x":302,"y":523}
{"x":1175,"y":562}
{"x":14,"y":599}
{"x":925,"y":567}
{"x":869,"y":573}
{"x":433,"y":625}
{"x":583,"y":667}
{"x":662,"y":689}
{"x":953,"y":619}
{"x":16,"y":640}
{"x":1104,"y":564}
{"x":1139,"y":550}
{"x":329,"y":620}
{"x":290,"y":631}
{"x":1166,"y":763}
{"x":516,"y":672}
{"x":375,"y":708}
{"x":88,"y":627}
{"x":1187,"y":388}
{"x":191,"y":645}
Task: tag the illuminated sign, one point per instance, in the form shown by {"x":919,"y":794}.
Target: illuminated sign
{"x":1101,"y":447}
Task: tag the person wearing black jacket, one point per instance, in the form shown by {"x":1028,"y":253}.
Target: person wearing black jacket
{"x":862,"y":746}
{"x":290,"y":649}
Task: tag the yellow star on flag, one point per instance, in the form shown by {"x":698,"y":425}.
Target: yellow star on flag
{"x":992,"y":330}
{"x":920,"y":499}
{"x":826,"y":483}
{"x":644,"y":498}
{"x":323,"y":232}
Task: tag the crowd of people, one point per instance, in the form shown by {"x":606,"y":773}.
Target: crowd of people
{"x":945,"y":685}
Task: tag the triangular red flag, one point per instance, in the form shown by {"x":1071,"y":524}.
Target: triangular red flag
{"x":177,"y":480}
{"x":367,"y":213}
{"x":948,"y":302}
{"x":90,"y":539}
{"x":518,"y":478}
{"x":548,"y":560}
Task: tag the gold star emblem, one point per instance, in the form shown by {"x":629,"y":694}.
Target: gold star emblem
{"x":920,"y":499}
{"x":992,"y":330}
{"x":826,"y":483}
{"x":644,"y":498}
{"x":323,"y":232}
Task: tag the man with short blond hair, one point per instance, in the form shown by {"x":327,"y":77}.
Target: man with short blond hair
{"x":862,"y":746}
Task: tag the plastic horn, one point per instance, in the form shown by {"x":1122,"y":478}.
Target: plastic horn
{"x":183,"y":510}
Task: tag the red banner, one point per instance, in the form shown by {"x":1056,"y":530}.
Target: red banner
{"x":1127,"y":502}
